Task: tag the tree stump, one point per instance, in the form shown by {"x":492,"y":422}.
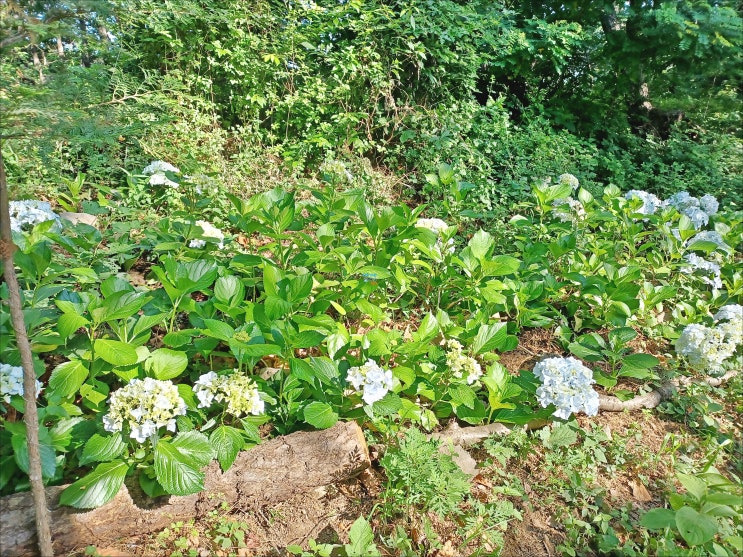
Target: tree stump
{"x":266,"y":474}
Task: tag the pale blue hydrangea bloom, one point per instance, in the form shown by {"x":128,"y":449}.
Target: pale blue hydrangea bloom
{"x":11,"y":382}
{"x":374,"y":380}
{"x":710,"y":236}
{"x":26,"y":214}
{"x":145,"y":405}
{"x":566,"y":383}
{"x":705,"y":348}
{"x":709,"y":204}
{"x":650,"y":202}
{"x":709,"y":270}
{"x":698,"y":210}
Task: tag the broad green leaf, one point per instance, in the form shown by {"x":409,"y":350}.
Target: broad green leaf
{"x":693,"y":485}
{"x":695,"y":528}
{"x":67,"y":378}
{"x":361,"y":540}
{"x":462,"y":394}
{"x":299,"y":287}
{"x":374,"y":272}
{"x":489,"y":337}
{"x":226,"y":442}
{"x":178,"y":474}
{"x":195,"y":446}
{"x":179,"y":338}
{"x":196,"y":275}
{"x":46,"y":452}
{"x":562,"y":436}
{"x":640,"y":361}
{"x":119,"y":305}
{"x":480,"y":244}
{"x":307,"y":339}
{"x":621,"y":336}
{"x":101,"y":448}
{"x":276,"y":307}
{"x":320,"y":415}
{"x":218,"y":329}
{"x":68,"y":323}
{"x":585,"y":352}
{"x":301,"y":369}
{"x":390,"y":404}
{"x":229,"y":290}
{"x":658,"y":519}
{"x":115,"y":352}
{"x":500,"y":265}
{"x":165,"y":363}
{"x":325,"y":369}
{"x":97,"y":488}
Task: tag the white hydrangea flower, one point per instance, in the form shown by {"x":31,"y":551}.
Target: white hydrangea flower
{"x":209,"y":231}
{"x":156,"y":171}
{"x":438,"y":227}
{"x":729,"y":320}
{"x":236,"y":391}
{"x":11,"y":382}
{"x":26,"y":214}
{"x":705,"y":348}
{"x":145,"y":405}
{"x":709,"y":269}
{"x":460,"y":364}
{"x":568,"y":179}
{"x":568,"y":209}
{"x":373,"y":379}
{"x":566,"y":383}
{"x":650,"y":202}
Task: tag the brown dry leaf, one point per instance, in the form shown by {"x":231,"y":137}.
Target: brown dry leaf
{"x":483,"y":481}
{"x":447,"y":550}
{"x":640,"y":492}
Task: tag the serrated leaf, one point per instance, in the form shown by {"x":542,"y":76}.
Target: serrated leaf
{"x":178,"y":474}
{"x":68,"y":323}
{"x":97,"y":488}
{"x":226,"y":442}
{"x":165,"y":363}
{"x":218,"y":329}
{"x":307,"y":339}
{"x":320,"y":415}
{"x":301,"y":369}
{"x":101,"y":448}
{"x":119,"y":305}
{"x":562,"y":436}
{"x":462,"y":394}
{"x":480,"y":244}
{"x":195,"y":446}
{"x":489,"y":337}
{"x":229,"y":290}
{"x":67,"y":378}
{"x":390,"y":404}
{"x":115,"y":352}
{"x":640,"y":361}
{"x":46,"y":451}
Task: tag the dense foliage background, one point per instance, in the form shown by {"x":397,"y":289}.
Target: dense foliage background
{"x":641,"y":94}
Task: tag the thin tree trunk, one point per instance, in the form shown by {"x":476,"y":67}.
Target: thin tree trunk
{"x":60,"y":47}
{"x":30,"y":416}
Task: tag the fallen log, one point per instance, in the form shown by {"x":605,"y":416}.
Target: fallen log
{"x":269,"y":473}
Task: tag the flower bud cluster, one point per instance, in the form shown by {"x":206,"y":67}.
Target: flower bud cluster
{"x":11,"y":382}
{"x":568,"y":209}
{"x":374,"y":380}
{"x":566,"y":383}
{"x":568,"y":179}
{"x":145,"y":405}
{"x":156,"y":171}
{"x":236,"y":391}
{"x":24,"y":215}
{"x":460,"y":364}
{"x":209,"y":231}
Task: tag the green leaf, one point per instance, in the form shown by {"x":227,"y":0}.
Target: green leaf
{"x":276,"y":307}
{"x":67,"y":378}
{"x":658,"y":519}
{"x":693,"y":485}
{"x":227,"y":442}
{"x":301,"y":369}
{"x":97,"y":488}
{"x":119,"y":305}
{"x":325,"y":369}
{"x":480,"y":244}
{"x":462,"y":394}
{"x":320,"y":415}
{"x":695,"y":528}
{"x":68,"y":323}
{"x":307,"y":339}
{"x":621,"y":336}
{"x":361,"y":540}
{"x":102,"y":449}
{"x":219,"y":329}
{"x":500,"y":265}
{"x":46,"y":451}
{"x":562,"y":436}
{"x":389,"y":405}
{"x":165,"y":363}
{"x":115,"y":352}
{"x":229,"y":290}
{"x":195,"y":446}
{"x":640,"y":361}
{"x":178,"y":474}
{"x":489,"y":337}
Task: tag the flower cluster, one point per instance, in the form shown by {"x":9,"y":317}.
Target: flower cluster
{"x":438,"y":227}
{"x":24,"y":215}
{"x":568,"y":209}
{"x":730,"y":320}
{"x":568,"y":179}
{"x":156,"y":171}
{"x":710,"y":236}
{"x":705,"y":348}
{"x":709,"y":269}
{"x":237,"y":391}
{"x":566,"y":383}
{"x":650,"y":202}
{"x":374,"y":380}
{"x":209,"y":231}
{"x":460,"y":364}
{"x":699,"y":210}
{"x":11,"y":382}
{"x":145,"y":405}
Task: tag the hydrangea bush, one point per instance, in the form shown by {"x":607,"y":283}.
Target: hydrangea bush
{"x":567,"y":384}
{"x":371,"y":380}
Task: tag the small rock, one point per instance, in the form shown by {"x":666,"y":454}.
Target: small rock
{"x":77,"y":218}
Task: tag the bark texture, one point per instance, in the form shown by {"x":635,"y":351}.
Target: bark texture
{"x":268,"y":473}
